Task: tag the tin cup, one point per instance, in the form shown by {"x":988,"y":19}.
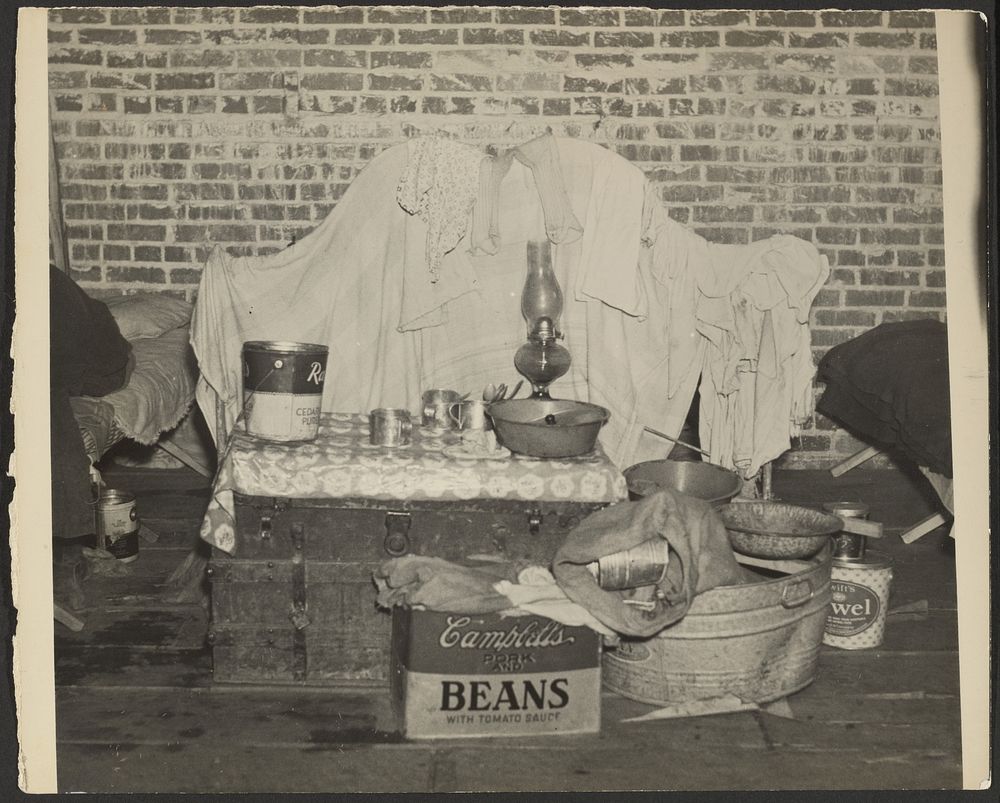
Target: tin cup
{"x":470,"y":415}
{"x":848,"y":546}
{"x":642,"y":565}
{"x":436,"y":408}
{"x":389,"y":426}
{"x":474,"y":425}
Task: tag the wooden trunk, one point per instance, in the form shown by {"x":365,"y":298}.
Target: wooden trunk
{"x":297,"y":603}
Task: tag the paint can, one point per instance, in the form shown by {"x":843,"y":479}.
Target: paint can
{"x":117,"y":525}
{"x":283,"y":389}
{"x":848,"y":546}
{"x":859,"y":602}
{"x":642,"y":565}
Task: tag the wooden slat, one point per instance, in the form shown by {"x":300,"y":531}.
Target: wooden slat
{"x":854,"y":461}
{"x":865,"y":672}
{"x":921,"y":528}
{"x":123,"y":627}
{"x":871,"y":529}
{"x":892,"y":708}
{"x":90,"y":665}
{"x":875,"y":738}
{"x":64,"y":617}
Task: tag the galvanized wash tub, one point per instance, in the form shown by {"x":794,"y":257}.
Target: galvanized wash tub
{"x":759,"y":642}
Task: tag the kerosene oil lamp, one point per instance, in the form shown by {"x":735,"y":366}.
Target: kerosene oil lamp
{"x":541,"y":426}
{"x":541,"y":360}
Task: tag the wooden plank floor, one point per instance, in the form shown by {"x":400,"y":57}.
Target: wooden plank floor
{"x":137,"y":710}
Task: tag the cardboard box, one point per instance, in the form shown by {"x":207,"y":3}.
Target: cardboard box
{"x":467,"y":675}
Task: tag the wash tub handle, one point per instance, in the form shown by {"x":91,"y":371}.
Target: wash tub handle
{"x":788,"y":598}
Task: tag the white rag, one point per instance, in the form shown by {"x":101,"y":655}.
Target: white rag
{"x":536,"y":592}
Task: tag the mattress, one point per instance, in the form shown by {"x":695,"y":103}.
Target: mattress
{"x":158,"y":395}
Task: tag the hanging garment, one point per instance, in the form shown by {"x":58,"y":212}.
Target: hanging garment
{"x":752,"y":363}
{"x":440,"y":183}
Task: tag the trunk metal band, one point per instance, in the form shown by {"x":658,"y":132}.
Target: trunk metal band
{"x":299,"y":615}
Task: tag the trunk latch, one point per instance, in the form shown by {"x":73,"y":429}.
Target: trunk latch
{"x":397,"y":534}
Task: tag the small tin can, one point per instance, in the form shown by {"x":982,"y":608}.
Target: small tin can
{"x":117,"y":525}
{"x":642,"y":565}
{"x":859,"y":601}
{"x":848,"y":546}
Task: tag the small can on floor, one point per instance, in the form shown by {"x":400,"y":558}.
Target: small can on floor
{"x":848,"y":546}
{"x":859,"y":601}
{"x":117,"y":525}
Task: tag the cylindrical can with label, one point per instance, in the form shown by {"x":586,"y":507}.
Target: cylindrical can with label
{"x":848,"y":546}
{"x":859,"y":601}
{"x":117,"y":525}
{"x":283,"y":389}
{"x":642,"y":565}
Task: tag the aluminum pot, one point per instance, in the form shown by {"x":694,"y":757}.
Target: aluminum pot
{"x":547,"y":427}
{"x":714,"y":484}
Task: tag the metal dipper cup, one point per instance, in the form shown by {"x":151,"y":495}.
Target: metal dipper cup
{"x":389,"y":426}
{"x":436,"y":406}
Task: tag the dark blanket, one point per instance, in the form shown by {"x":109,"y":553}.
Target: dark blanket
{"x":88,"y":357}
{"x":890,"y":386}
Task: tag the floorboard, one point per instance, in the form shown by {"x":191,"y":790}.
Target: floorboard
{"x":137,"y":710}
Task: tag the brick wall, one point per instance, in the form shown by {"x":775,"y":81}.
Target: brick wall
{"x":178,"y":129}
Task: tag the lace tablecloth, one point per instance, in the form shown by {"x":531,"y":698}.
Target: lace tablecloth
{"x":341,"y":463}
